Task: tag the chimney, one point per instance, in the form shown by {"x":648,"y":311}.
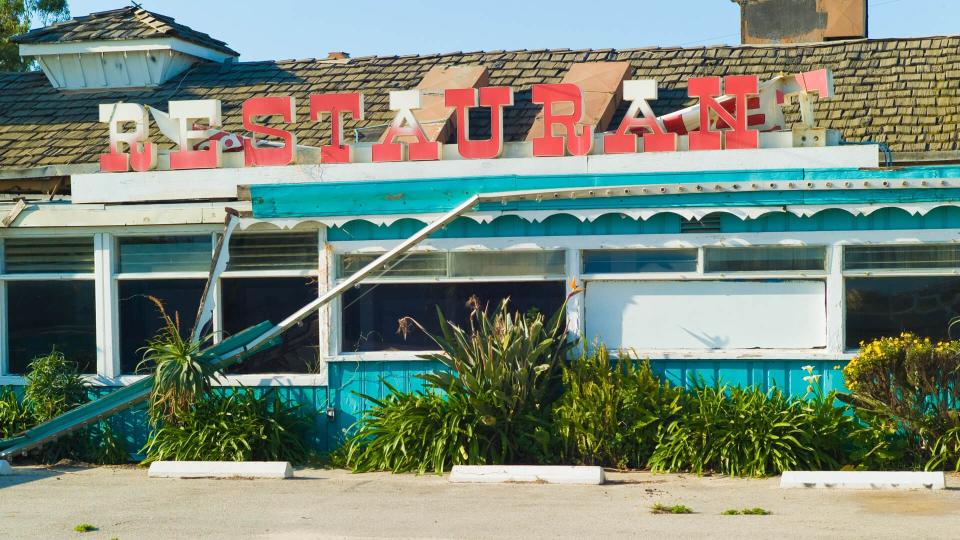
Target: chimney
{"x":338,"y":55}
{"x":801,"y":21}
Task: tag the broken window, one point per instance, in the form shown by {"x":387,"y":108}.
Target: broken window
{"x":249,"y":301}
{"x":140,"y":320}
{"x":371,"y":312}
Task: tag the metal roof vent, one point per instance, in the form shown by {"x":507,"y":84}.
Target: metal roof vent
{"x":709,"y":223}
{"x":122,"y":48}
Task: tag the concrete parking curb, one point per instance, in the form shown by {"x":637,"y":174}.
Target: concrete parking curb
{"x":863,"y":480}
{"x":220,"y":469}
{"x":548,"y":474}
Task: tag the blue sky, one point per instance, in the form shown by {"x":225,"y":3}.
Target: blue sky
{"x":280,"y":29}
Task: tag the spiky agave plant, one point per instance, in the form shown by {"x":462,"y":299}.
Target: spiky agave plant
{"x":181,"y":377}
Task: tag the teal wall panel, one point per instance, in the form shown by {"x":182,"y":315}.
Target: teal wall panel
{"x":348,"y":380}
{"x":443,"y":194}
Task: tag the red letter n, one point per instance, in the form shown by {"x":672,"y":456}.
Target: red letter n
{"x":708,"y":90}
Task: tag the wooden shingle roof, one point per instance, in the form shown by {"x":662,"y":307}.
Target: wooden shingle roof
{"x":902,"y":92}
{"x":126,"y":23}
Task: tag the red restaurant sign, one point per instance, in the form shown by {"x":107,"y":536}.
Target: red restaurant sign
{"x":730,"y":114}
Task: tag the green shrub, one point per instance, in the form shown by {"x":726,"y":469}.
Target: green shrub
{"x":504,"y":374}
{"x":239,"y":426}
{"x":416,"y":432}
{"x":612,"y":413}
{"x":14,"y":415}
{"x":904,"y":389}
{"x":749,"y":432}
{"x":54,"y":386}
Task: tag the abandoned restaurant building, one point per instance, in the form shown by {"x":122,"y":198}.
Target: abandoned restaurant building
{"x":735,"y":212}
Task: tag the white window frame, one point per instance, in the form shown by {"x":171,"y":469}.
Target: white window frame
{"x":833,"y":276}
{"x":6,"y":378}
{"x":344,"y":248}
{"x":889,"y":273}
{"x":107,"y":281}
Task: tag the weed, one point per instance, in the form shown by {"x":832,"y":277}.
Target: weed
{"x":85,"y":527}
{"x":757,"y":511}
{"x":660,"y":508}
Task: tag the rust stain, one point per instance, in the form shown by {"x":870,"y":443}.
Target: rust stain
{"x":394,"y":196}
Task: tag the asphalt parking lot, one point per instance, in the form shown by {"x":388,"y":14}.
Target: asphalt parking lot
{"x":123,"y":503}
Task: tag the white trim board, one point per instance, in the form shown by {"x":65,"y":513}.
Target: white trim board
{"x":223,"y":183}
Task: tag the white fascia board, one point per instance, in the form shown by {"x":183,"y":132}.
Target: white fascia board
{"x":223,"y":183}
{"x":127,"y":45}
{"x":96,"y":215}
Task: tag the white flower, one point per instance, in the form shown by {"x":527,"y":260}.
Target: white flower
{"x":808,"y":369}
{"x":811,"y":378}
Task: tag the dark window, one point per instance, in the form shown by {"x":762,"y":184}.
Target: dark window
{"x":639,"y":260}
{"x":899,"y":257}
{"x":248,"y":301}
{"x":140,"y":320}
{"x":878,"y":307}
{"x":371,"y":312}
{"x":165,"y":253}
{"x":267,"y":251}
{"x":764,"y":259}
{"x":47,"y":315}
{"x":48,"y":255}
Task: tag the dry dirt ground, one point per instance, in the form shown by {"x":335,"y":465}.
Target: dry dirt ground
{"x":123,"y":503}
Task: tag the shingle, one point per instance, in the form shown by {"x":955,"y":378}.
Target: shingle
{"x":912,"y":104}
{"x":129,"y":22}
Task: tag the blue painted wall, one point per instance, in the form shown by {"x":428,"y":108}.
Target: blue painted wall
{"x":350,"y":379}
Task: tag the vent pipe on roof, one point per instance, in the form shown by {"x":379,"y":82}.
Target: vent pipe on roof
{"x":801,"y":21}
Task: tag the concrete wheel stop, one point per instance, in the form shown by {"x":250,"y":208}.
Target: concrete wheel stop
{"x":542,"y":474}
{"x":863,"y":480}
{"x":220,"y":469}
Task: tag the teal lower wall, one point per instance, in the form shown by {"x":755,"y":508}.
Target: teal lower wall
{"x":349,"y":379}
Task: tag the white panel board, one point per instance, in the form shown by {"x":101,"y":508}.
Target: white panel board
{"x":647,"y":315}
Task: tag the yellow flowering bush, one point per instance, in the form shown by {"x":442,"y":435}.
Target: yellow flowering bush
{"x":907,"y":381}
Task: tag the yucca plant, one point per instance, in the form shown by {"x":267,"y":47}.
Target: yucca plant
{"x":508,"y":367}
{"x":181,"y":378}
{"x":490,"y":405}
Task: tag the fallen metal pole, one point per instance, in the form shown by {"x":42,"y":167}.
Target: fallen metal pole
{"x":357,"y":277}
